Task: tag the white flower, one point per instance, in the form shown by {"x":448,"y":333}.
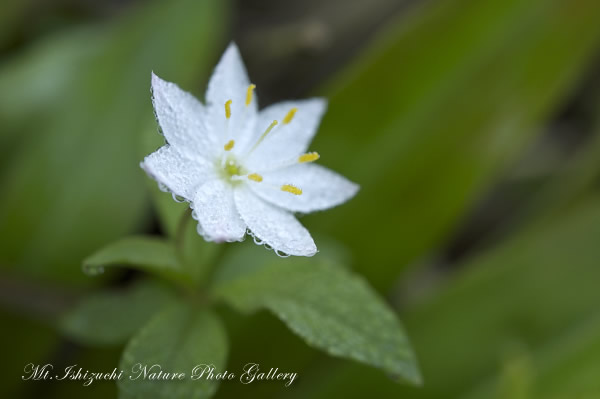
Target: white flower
{"x":241,"y":169}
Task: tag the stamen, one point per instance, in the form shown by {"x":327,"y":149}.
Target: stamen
{"x":261,"y":138}
{"x":290,"y":115}
{"x":249,"y":94}
{"x":228,"y":109}
{"x":229,"y":145}
{"x":309,"y":157}
{"x":303,"y":158}
{"x":271,"y":126}
{"x":291,"y":189}
{"x":255,"y":177}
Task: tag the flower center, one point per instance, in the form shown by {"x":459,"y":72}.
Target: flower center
{"x":230,"y":169}
{"x":234,"y":173}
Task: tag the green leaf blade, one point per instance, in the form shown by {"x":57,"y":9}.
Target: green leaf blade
{"x":329,"y":307}
{"x":149,"y":254}
{"x":177,"y":339}
{"x":110,"y":318}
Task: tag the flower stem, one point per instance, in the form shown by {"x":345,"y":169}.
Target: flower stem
{"x":181,"y":226}
{"x":198,"y":257}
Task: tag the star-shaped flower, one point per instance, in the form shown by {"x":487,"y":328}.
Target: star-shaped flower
{"x":239,"y":168}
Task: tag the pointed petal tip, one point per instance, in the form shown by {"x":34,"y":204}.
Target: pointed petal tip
{"x":319,"y":106}
{"x":232,"y":47}
{"x":355,"y":188}
{"x":145,"y":167}
{"x":156,"y":80}
{"x":321,"y":102}
{"x":231,"y":53}
{"x":308,"y":251}
{"x":312,"y":252}
{"x":232,"y":44}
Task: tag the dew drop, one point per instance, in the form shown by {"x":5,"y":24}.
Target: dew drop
{"x":281,"y":254}
{"x":177,"y":198}
{"x":92,"y":270}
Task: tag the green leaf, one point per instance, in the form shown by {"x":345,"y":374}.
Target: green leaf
{"x":527,"y":290}
{"x":150,"y":254}
{"x":331,"y":308}
{"x":177,"y":339}
{"x":112,"y":317}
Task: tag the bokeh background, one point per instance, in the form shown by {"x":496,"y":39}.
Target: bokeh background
{"x":472,"y":126}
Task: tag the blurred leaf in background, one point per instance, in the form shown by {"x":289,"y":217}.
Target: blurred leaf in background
{"x":112,"y":317}
{"x":436,"y":108}
{"x":73,"y":182}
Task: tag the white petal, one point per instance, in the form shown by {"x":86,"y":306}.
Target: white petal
{"x":182,"y":119}
{"x":179,"y":174}
{"x":215,"y":211}
{"x":321,"y":188}
{"x":275,"y":226}
{"x":230,"y":81}
{"x":286,"y":140}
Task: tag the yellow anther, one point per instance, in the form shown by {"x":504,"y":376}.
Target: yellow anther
{"x":290,"y":115}
{"x":228,"y":109}
{"x":310,"y":157}
{"x":255,"y":177}
{"x":291,"y":189}
{"x":229,"y":145}
{"x":249,"y":94}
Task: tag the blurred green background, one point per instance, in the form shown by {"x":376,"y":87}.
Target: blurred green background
{"x":472,"y":126}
